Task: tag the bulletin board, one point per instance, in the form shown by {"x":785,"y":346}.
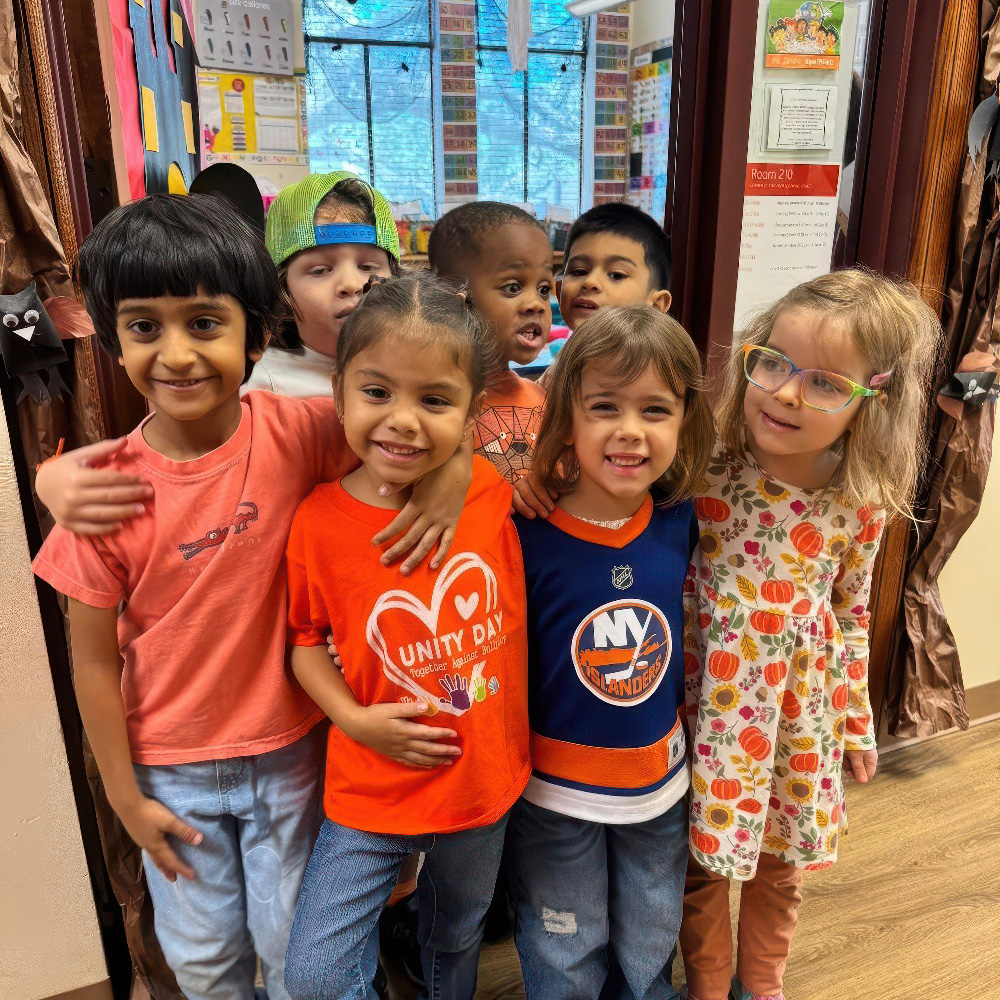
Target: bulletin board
{"x":156,"y":83}
{"x":251,"y":119}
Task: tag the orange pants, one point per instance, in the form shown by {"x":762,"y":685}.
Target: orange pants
{"x":768,"y":912}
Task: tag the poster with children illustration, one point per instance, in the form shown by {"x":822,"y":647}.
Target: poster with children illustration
{"x":804,"y":35}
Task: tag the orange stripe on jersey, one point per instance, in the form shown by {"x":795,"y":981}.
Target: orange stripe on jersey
{"x":616,"y":538}
{"x":630,"y":767}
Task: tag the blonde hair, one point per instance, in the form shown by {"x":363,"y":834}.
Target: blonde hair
{"x":627,"y":340}
{"x":883,"y":453}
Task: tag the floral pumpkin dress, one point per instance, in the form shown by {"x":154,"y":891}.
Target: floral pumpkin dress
{"x":776,"y":656}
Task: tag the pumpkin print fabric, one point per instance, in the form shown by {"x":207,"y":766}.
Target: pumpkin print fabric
{"x":776,"y":656}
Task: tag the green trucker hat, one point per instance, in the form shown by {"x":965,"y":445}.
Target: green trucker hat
{"x":291,"y":225}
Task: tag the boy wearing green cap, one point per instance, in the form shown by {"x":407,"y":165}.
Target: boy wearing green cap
{"x":328,"y":235}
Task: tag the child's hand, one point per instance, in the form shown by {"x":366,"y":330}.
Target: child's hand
{"x":148,"y":823}
{"x":431,"y":515}
{"x":88,"y":500}
{"x":861,"y":764}
{"x":331,"y":648}
{"x":531,"y":498}
{"x":387,"y":729}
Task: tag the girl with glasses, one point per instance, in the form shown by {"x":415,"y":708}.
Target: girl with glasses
{"x":821,"y":442}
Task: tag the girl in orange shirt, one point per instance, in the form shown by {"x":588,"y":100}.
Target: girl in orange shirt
{"x":449,"y":649}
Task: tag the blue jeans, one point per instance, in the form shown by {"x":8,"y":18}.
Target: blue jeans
{"x":333,"y":949}
{"x":258,"y":817}
{"x":594,"y":897}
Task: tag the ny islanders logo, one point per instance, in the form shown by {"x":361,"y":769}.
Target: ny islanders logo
{"x":621,"y":651}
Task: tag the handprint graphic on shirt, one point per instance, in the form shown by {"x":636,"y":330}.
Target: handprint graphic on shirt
{"x":478,"y":688}
{"x":457,"y":690}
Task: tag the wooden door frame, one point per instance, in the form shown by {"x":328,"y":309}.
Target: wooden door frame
{"x":710,"y":123}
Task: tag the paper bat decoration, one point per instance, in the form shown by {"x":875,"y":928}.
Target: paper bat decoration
{"x":30,"y":345}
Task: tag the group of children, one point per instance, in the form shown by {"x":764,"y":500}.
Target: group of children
{"x":646,"y":682}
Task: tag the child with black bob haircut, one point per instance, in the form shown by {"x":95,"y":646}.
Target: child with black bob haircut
{"x":505,"y":258}
{"x":616,"y":255}
{"x":204,"y":740}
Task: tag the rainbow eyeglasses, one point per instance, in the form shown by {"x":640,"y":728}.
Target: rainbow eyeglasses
{"x":819,"y":390}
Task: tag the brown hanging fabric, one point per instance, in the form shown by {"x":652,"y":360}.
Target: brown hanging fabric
{"x":925,"y":693}
{"x":44,"y":216}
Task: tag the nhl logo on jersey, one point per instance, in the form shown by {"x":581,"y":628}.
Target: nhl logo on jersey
{"x":621,"y":651}
{"x":621,"y":577}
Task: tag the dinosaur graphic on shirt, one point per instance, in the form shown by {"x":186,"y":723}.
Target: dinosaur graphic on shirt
{"x":217,"y":536}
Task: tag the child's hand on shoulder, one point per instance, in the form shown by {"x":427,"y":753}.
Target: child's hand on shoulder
{"x":387,"y":729}
{"x":149,"y":823}
{"x":431,"y":515}
{"x":532,"y":499}
{"x":861,"y":764}
{"x":86,"y":498}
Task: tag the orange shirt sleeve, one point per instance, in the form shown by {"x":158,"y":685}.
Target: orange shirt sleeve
{"x":308,"y":620}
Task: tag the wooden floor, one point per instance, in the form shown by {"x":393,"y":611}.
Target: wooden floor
{"x":912,"y":909}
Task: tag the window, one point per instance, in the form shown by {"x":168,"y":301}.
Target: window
{"x":369,"y":94}
{"x":375,"y":107}
{"x":531,"y":123}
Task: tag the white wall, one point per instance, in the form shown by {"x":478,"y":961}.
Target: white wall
{"x":49,"y":938}
{"x":652,"y":21}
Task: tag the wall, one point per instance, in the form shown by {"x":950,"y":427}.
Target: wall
{"x":969,"y":584}
{"x":652,"y":21}
{"x":49,"y":938}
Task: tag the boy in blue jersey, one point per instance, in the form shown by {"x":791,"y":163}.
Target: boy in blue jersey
{"x":599,"y":839}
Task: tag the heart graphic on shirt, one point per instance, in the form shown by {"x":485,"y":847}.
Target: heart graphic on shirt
{"x":466,"y":606}
{"x":453,"y":690}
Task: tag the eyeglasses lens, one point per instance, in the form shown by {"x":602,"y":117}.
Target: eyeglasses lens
{"x":820,"y":390}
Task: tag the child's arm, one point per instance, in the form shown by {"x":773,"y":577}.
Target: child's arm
{"x":850,"y":606}
{"x":432,"y":513}
{"x":87,"y":499}
{"x":97,"y":673}
{"x":385,"y":728}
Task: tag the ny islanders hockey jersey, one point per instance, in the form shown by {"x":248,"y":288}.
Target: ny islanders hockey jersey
{"x":606,"y":663}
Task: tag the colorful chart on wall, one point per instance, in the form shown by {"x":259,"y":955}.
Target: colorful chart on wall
{"x":804,"y":35}
{"x":167,"y":94}
{"x":649,"y":127}
{"x":251,"y":119}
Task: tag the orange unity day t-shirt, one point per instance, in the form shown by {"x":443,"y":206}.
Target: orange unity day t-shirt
{"x":507,"y":426}
{"x":454,"y":637}
{"x":202,"y":575}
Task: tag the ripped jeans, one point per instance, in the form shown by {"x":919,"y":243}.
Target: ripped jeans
{"x":258,"y":817}
{"x":334,"y":944}
{"x":598,"y":904}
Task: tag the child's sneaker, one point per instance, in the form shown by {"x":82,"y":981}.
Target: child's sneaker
{"x":738,"y":991}
{"x":397,"y":928}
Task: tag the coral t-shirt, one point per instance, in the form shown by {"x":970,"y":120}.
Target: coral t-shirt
{"x":454,"y":637}
{"x":507,"y":427}
{"x":202,"y":632}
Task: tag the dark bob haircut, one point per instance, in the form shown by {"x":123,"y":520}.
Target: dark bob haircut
{"x":620,"y":219}
{"x":178,"y":245}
